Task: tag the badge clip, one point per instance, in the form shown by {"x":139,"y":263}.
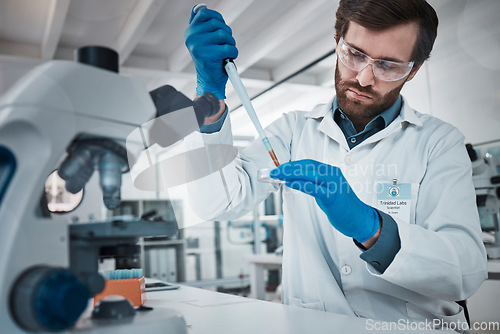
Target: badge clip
{"x":394,"y":190}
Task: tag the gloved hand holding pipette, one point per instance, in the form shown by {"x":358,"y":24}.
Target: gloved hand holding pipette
{"x":212,"y":47}
{"x":209,"y":40}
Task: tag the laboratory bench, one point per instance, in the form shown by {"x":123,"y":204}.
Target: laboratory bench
{"x":259,"y":263}
{"x":484,"y":305}
{"x":210,"y":312}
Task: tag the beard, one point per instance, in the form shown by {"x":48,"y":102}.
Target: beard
{"x":360,"y":112}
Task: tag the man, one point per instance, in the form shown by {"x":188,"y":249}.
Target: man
{"x":379,"y":208}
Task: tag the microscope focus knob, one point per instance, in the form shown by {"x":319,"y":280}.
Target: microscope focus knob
{"x":112,"y":308}
{"x":48,"y":299}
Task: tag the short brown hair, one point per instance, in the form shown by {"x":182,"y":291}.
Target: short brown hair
{"x":384,"y":14}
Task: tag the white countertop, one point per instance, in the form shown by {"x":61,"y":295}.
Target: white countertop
{"x":494,"y":266}
{"x":212,"y":312}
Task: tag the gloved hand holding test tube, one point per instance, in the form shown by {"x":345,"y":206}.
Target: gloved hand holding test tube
{"x":232,"y":73}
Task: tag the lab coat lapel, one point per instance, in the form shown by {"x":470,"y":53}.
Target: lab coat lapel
{"x":406,"y":117}
{"x":330,"y":128}
{"x":327,"y":125}
{"x":396,"y":125}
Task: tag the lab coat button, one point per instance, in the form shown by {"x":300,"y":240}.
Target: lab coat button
{"x":353,"y":140}
{"x":348,"y":160}
{"x":346,"y":270}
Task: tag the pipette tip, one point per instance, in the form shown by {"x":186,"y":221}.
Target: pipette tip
{"x":275,"y":159}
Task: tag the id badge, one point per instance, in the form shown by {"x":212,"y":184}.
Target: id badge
{"x":395,"y":199}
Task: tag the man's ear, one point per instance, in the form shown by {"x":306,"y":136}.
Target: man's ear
{"x":413,"y":72}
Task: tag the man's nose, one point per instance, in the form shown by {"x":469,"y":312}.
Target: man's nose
{"x":365,"y":76}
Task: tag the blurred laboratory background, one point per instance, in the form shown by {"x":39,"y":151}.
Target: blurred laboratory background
{"x":286,"y":61}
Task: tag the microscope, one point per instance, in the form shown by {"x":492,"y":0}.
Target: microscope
{"x":75,"y":117}
{"x":486,"y":179}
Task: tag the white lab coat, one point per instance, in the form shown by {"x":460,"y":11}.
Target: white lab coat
{"x":442,"y":258}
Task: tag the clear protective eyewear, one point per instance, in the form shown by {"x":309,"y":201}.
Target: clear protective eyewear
{"x":385,"y":70}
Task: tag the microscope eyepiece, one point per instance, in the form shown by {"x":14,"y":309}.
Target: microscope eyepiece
{"x":89,"y":154}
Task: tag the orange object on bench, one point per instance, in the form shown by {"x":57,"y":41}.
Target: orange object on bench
{"x":134,"y":289}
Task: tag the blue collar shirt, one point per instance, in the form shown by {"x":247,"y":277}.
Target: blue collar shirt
{"x":375,"y":125}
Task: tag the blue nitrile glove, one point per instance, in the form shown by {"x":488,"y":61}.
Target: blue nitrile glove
{"x":326,"y":183}
{"x":209,"y":41}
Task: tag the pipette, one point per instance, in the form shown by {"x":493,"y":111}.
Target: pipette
{"x":233,"y":75}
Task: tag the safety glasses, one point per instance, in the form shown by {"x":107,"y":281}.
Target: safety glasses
{"x":383,"y":69}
